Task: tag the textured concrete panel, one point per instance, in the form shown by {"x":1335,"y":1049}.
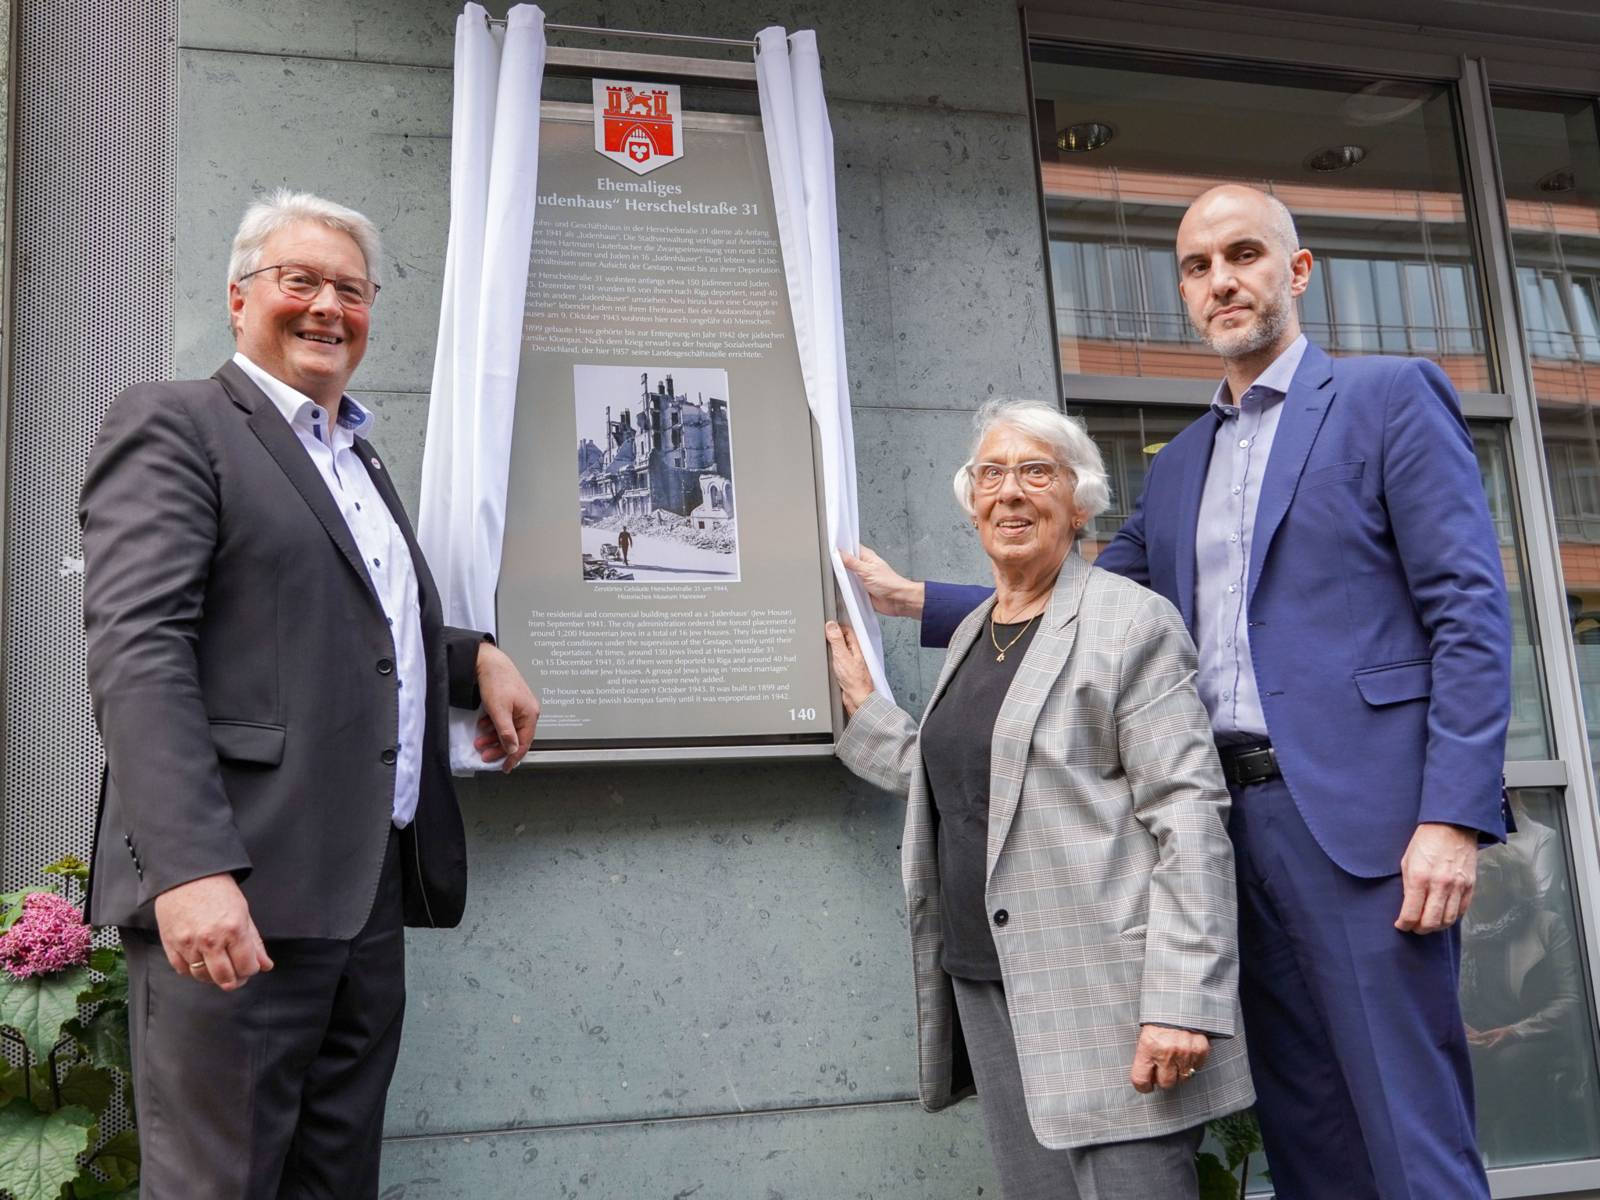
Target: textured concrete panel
{"x":892,"y":51}
{"x":964,"y":252}
{"x":663,"y":941}
{"x":905,"y":459}
{"x":375,"y":138}
{"x":873,"y":1152}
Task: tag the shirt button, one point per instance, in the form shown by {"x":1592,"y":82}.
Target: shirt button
{"x":1229,"y":642}
{"x":1001,"y":916}
{"x":1237,"y":490}
{"x":1233,"y":587}
{"x":1233,"y":537}
{"x":388,"y":757}
{"x":1227,"y":695}
{"x":377,"y":562}
{"x":1244,"y":443}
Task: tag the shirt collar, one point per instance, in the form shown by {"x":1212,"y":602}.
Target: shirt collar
{"x":1274,"y":381}
{"x":301,"y":411}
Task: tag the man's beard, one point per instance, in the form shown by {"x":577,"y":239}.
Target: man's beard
{"x":1272,"y":318}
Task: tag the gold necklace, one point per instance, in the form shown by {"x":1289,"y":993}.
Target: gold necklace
{"x":1000,"y":651}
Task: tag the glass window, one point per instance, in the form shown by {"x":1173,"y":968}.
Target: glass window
{"x":1525,"y":996}
{"x":1550,"y":158}
{"x":1387,"y":223}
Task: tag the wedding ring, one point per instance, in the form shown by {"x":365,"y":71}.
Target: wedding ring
{"x":199,"y":966}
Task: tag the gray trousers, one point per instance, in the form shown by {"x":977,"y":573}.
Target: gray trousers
{"x":1159,"y":1168}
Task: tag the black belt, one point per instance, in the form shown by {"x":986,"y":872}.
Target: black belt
{"x":1252,"y":762}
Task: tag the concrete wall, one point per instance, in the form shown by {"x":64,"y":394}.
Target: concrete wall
{"x":690,"y":981}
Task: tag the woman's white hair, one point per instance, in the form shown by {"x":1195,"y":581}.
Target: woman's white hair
{"x":1069,"y":442}
{"x":284,"y":208}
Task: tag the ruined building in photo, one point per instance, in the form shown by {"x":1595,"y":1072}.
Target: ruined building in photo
{"x":673,"y":458}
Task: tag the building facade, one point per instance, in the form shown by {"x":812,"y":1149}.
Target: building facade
{"x":693,"y":980}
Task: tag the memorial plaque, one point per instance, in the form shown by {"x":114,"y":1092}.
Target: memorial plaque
{"x":663,"y":581}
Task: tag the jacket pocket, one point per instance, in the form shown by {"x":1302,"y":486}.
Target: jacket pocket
{"x":1134,"y":933}
{"x":1335,"y":473}
{"x":248,"y":741}
{"x":1396,"y":682}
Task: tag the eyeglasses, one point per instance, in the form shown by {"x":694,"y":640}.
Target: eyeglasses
{"x":1035,"y":475}
{"x":303,"y":283}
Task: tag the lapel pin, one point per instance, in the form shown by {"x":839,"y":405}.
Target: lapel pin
{"x":376,"y":464}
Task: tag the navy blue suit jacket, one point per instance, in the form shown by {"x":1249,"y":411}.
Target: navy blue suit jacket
{"x":1379,"y":624}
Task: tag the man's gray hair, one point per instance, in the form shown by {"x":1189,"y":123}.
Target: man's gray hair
{"x":284,"y":208}
{"x":1069,"y":442}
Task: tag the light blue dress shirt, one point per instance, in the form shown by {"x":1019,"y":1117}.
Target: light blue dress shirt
{"x":1222,"y":539}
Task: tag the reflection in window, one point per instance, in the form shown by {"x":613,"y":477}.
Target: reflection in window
{"x":1550,"y":158}
{"x":1525,"y":999}
{"x":1394,"y":269}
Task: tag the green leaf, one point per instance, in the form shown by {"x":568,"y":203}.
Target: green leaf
{"x":104,"y":1037}
{"x":11,"y":906}
{"x":38,"y":1151}
{"x":37,"y":1008}
{"x":116,"y":1170}
{"x":1216,"y":1181}
{"x":71,"y":866}
{"x":1239,"y":1134}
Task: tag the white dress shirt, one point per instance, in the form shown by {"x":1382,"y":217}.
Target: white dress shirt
{"x":1223,"y":536}
{"x":383,"y":549}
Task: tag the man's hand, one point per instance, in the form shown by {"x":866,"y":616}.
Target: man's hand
{"x":1439,"y":870}
{"x":510,"y":709}
{"x":207,"y":932}
{"x":1488,"y":1039}
{"x":849,"y":667}
{"x":892,"y":593}
{"x":1165,"y":1057}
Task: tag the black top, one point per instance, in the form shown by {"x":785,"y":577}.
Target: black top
{"x":955,"y":748}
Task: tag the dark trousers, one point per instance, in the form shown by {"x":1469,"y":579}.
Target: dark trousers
{"x":274,"y":1091}
{"x":1357,"y":1049}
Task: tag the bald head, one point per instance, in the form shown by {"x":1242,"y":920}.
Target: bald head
{"x":1240,"y":267}
{"x":1275,"y":219}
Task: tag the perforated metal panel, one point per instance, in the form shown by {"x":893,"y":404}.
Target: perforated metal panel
{"x":96,"y":148}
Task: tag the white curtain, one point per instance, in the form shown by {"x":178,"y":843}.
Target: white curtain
{"x":800,"y":157}
{"x":494,"y":163}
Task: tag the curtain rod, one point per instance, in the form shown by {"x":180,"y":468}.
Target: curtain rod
{"x":747,"y":43}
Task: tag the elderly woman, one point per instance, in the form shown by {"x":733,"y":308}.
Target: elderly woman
{"x":1068,"y":875}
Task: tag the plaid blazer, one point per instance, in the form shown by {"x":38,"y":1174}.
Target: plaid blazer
{"x":1108,"y":848}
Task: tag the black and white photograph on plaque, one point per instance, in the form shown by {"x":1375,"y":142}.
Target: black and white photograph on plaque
{"x":655,"y":475}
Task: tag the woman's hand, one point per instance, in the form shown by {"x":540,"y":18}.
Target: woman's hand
{"x":1166,"y":1057}
{"x":849,"y":667}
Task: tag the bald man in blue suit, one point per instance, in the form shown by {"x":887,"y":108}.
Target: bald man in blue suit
{"x":1324,"y":532}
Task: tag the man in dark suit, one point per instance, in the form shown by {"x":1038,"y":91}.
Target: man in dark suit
{"x":271,"y":677}
{"x":1323,"y":531}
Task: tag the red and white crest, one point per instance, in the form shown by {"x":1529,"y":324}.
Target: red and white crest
{"x":639,"y":125}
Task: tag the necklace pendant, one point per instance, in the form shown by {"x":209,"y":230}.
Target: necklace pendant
{"x":1001,"y":657}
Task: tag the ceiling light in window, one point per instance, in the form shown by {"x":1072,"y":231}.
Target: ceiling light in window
{"x":1336,"y":158}
{"x":1560,"y":180}
{"x":1085,"y":136}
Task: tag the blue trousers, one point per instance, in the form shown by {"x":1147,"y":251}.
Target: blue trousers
{"x":1357,"y":1049}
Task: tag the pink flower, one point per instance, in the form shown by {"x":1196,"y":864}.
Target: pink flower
{"x":50,"y":936}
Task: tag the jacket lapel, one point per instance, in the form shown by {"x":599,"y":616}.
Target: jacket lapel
{"x":1196,"y":462}
{"x":426,"y":592}
{"x":267,"y":423}
{"x":1304,"y":407}
{"x":1013,"y":728}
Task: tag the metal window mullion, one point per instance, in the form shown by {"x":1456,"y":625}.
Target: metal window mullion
{"x":1546,"y":585}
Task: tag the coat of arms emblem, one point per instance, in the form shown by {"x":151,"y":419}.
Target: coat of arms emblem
{"x":639,"y":125}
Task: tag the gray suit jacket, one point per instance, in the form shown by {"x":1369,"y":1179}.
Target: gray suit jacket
{"x":1108,"y":849}
{"x":242,"y":673}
